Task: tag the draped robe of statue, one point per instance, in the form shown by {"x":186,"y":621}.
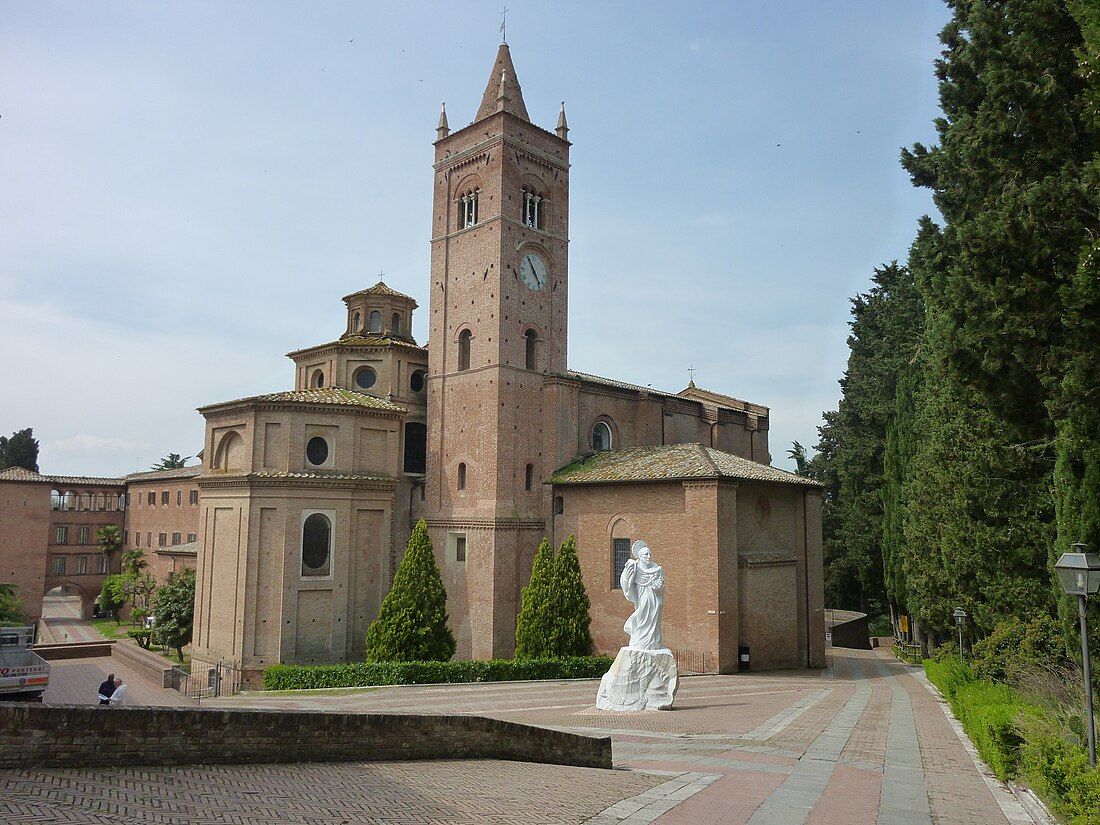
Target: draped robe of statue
{"x":643,"y":583}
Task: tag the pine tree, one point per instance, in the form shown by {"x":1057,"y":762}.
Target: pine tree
{"x":570,"y":635}
{"x":21,"y":450}
{"x":412,"y":622}
{"x":536,"y":615}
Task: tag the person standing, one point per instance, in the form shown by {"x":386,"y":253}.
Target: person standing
{"x":107,"y":689}
{"x":119,"y":694}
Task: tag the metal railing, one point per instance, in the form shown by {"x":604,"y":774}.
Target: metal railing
{"x":204,"y":680}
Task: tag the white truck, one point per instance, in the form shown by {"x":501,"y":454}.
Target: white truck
{"x":24,"y":674}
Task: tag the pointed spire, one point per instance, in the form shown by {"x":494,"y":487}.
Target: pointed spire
{"x":442,"y":130}
{"x":503,"y":92}
{"x":563,"y":127}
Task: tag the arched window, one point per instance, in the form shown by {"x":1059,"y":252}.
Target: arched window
{"x":57,"y":501}
{"x":395,"y":324}
{"x":464,"y":349}
{"x":356,"y":320}
{"x":529,"y":477}
{"x":416,"y":446}
{"x":318,"y":380}
{"x":531,"y":338}
{"x":375,"y":322}
{"x":462,"y":475}
{"x":601,"y":436}
{"x":316,"y":545}
{"x":534,"y":209}
{"x":467,"y":209}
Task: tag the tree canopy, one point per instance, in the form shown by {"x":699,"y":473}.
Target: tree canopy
{"x":172,"y":461}
{"x":174,"y":608}
{"x":20,"y":450}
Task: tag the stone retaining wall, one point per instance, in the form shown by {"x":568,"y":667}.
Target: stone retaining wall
{"x":78,"y":736}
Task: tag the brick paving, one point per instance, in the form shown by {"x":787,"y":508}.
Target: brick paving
{"x":864,"y":741}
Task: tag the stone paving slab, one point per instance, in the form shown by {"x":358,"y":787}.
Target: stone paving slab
{"x":862,"y":741}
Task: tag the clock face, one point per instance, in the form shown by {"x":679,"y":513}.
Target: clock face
{"x":533,"y":271}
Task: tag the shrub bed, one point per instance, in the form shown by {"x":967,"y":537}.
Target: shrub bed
{"x":1016,"y":738}
{"x":365,"y":674}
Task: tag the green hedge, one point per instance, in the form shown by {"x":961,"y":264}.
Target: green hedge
{"x":362,"y":674}
{"x":1018,"y":739}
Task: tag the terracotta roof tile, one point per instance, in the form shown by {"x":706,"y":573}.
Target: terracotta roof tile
{"x":166,"y":475}
{"x":325,"y":395}
{"x":380,"y":289}
{"x":668,"y":463}
{"x":20,"y":474}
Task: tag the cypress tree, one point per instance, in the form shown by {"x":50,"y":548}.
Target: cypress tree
{"x":412,"y":622}
{"x":536,"y":616}
{"x":570,"y":635}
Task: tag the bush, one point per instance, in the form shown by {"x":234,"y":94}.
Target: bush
{"x":988,"y":715}
{"x":412,"y":622}
{"x":1059,"y":771}
{"x":536,"y":616}
{"x":948,"y":675}
{"x":364,"y":674}
{"x":1014,"y":646}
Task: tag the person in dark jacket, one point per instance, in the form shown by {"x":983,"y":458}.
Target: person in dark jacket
{"x":106,"y":689}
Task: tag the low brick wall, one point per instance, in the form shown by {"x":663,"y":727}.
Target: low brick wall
{"x":62,"y":736}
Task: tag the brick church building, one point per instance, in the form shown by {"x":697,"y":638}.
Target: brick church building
{"x":308,"y":496}
{"x":300,"y":511}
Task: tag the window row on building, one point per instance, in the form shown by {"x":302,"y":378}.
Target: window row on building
{"x":75,"y":534}
{"x":530,"y":349}
{"x":81,"y":565}
{"x":150,"y":498}
{"x":320,"y":451}
{"x":162,"y":539}
{"x":374,"y":323}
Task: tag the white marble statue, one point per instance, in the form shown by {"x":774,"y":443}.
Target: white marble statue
{"x":643,"y":675}
{"x":643,"y":583}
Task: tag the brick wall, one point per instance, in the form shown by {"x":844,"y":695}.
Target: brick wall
{"x":79,"y":736}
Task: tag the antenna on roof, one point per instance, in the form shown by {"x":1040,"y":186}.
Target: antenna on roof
{"x":504,"y":25}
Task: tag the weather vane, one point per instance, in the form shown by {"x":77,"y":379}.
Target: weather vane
{"x":504,"y":25}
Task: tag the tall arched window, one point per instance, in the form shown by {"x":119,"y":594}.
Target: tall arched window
{"x":531,"y":338}
{"x":529,"y":477}
{"x":462,"y":476}
{"x":601,"y":436}
{"x":395,"y":324}
{"x":316,"y":545}
{"x":355,"y":322}
{"x":318,"y":379}
{"x":375,"y":322}
{"x":464,"y":349}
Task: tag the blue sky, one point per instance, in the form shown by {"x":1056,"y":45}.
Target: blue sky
{"x":187,"y":190}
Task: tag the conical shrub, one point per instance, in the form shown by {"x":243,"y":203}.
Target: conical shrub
{"x":570,"y":634}
{"x":412,"y":623}
{"x":536,"y":614}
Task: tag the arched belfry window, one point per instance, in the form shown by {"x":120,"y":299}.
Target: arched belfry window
{"x":601,"y":436}
{"x":464,"y":349}
{"x":531,"y":339}
{"x":375,"y":322}
{"x":462,"y":475}
{"x":355,"y":321}
{"x":534,"y":209}
{"x":467,"y":209}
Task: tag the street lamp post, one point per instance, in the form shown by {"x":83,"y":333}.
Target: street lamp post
{"x":1080,"y":575}
{"x":960,"y":620}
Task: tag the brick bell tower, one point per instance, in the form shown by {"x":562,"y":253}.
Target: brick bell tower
{"x":499,"y":286}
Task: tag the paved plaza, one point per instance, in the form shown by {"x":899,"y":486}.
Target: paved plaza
{"x":865,"y":741}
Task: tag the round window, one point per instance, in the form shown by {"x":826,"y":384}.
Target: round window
{"x":416,"y":381}
{"x":317,"y":450}
{"x":365,"y":378}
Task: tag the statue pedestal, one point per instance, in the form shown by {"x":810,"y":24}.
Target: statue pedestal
{"x":639,"y":680}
